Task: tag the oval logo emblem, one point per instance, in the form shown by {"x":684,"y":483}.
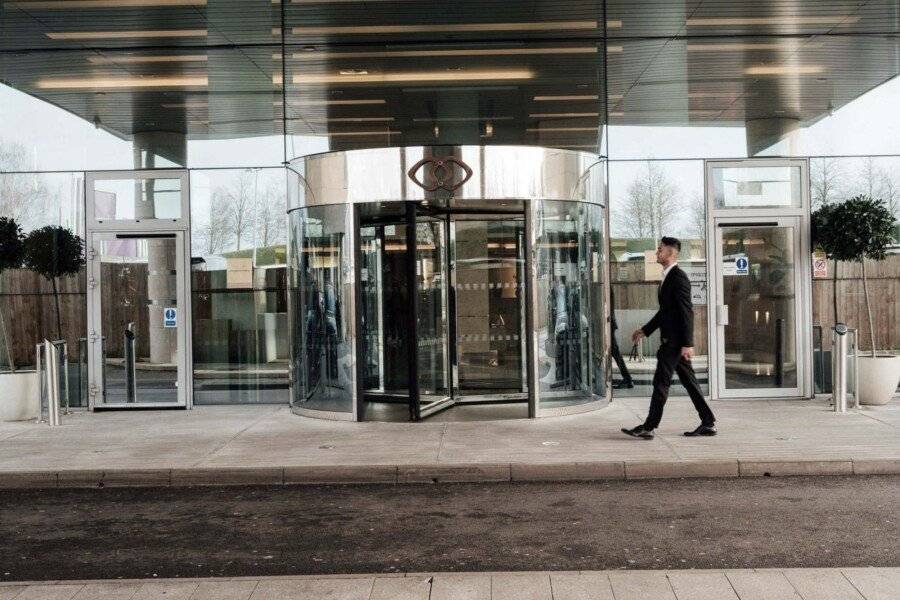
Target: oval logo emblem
{"x":440,"y":173}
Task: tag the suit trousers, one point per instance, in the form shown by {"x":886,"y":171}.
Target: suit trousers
{"x":669,"y":361}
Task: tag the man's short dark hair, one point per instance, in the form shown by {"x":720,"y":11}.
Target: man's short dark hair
{"x":670,"y":241}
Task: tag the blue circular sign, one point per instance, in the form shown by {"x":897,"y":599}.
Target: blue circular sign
{"x":741,"y":263}
{"x":170,"y":313}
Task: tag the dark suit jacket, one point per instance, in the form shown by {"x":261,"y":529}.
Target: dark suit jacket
{"x":675,"y":317}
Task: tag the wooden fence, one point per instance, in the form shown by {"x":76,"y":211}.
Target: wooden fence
{"x":26,"y":302}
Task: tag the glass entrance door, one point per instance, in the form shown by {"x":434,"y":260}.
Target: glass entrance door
{"x":137,"y":319}
{"x":758,"y":322}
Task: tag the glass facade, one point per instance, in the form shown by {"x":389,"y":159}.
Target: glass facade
{"x":229,"y":93}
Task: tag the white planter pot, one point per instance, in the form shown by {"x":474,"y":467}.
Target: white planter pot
{"x":19,"y":399}
{"x":878,"y":378}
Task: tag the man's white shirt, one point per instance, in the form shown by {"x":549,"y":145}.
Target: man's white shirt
{"x":666,"y":272}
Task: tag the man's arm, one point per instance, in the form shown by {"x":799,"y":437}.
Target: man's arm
{"x":684,"y":309}
{"x":653,"y":324}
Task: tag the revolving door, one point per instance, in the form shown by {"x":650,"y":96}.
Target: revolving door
{"x":408,"y":301}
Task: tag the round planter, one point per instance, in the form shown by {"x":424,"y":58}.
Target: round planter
{"x":878,"y":379}
{"x":19,"y":399}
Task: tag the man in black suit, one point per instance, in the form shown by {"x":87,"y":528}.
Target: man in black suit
{"x":675,"y":320}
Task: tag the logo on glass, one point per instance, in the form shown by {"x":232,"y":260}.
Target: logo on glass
{"x":440,"y":173}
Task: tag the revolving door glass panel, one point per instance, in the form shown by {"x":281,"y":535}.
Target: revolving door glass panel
{"x":321,"y":297}
{"x":570,"y":311}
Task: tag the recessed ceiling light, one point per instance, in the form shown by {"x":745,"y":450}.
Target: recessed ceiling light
{"x":65,"y":4}
{"x":189,"y":104}
{"x":554,"y":129}
{"x":316,"y":102}
{"x":444,"y":28}
{"x":356,"y":119}
{"x":566,"y":98}
{"x":461,"y":52}
{"x":122,"y":35}
{"x":742,"y":47}
{"x":486,"y":75}
{"x":64,"y":83}
{"x":563,"y":115}
{"x":353,"y":72}
{"x":784,"y":70}
{"x":358,"y":133}
{"x":790,"y":20}
{"x":126,"y":60}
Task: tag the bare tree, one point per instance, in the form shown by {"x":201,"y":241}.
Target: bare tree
{"x":235,"y":203}
{"x":215,"y":235}
{"x":271,"y":220}
{"x":697,"y":209}
{"x":824,"y":179}
{"x":652,"y":205}
{"x":22,"y":195}
{"x":878,"y":182}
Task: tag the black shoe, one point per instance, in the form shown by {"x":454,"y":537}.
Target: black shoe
{"x":621,"y":385}
{"x":639,"y":432}
{"x":702,"y":430}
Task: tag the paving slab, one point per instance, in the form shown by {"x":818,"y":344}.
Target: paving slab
{"x":401,"y":588}
{"x":822,"y":584}
{"x":521,"y":586}
{"x":701,"y":586}
{"x":641,"y":585}
{"x":315,"y":589}
{"x":762,"y":585}
{"x":583,"y":586}
{"x":875,"y":584}
{"x":169,"y":590}
{"x":49,"y":592}
{"x":108,"y":591}
{"x":461,"y":587}
{"x":224,"y":590}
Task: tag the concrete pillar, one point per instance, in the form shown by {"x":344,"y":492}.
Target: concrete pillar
{"x":773,"y":136}
{"x":162,"y":285}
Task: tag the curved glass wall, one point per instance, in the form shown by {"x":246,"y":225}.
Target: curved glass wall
{"x":467,"y":278}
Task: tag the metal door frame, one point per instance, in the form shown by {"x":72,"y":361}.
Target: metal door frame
{"x":799,"y":218}
{"x":97,"y":230}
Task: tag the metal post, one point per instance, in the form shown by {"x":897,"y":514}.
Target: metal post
{"x":855,"y":359}
{"x":779,"y":352}
{"x":40,"y":380}
{"x":52,"y":384}
{"x":130,"y":385}
{"x":65,"y":351}
{"x":839,"y":367}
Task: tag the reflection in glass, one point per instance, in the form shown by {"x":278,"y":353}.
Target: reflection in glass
{"x":565,"y":269}
{"x":432,"y":310}
{"x":756,"y":187}
{"x":760,"y":342}
{"x":140,"y":349}
{"x":238,"y":286}
{"x":137,"y":199}
{"x":322,"y":358}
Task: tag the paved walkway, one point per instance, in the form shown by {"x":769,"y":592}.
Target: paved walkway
{"x":270,"y":445}
{"x":761,"y":584}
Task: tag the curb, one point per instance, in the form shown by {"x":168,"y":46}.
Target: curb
{"x":442,"y":473}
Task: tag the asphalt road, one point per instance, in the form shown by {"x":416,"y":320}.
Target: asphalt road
{"x":192,"y":532}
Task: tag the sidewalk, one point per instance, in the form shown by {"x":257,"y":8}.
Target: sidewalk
{"x":744,"y":584}
{"x":269,"y":445}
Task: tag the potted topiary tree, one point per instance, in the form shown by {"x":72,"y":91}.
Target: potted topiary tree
{"x":18,"y":400}
{"x":54,"y":252}
{"x":857,"y":230}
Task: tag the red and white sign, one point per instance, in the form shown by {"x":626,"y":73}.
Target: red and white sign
{"x":820,"y":265}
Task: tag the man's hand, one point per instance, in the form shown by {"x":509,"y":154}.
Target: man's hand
{"x":636,"y":336}
{"x":687,"y":353}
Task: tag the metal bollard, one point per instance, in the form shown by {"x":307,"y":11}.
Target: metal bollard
{"x":839,"y":367}
{"x":52,"y":384}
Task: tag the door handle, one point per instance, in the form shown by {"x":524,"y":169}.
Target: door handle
{"x":722,"y":314}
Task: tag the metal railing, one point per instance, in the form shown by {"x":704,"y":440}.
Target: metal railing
{"x":47,"y":361}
